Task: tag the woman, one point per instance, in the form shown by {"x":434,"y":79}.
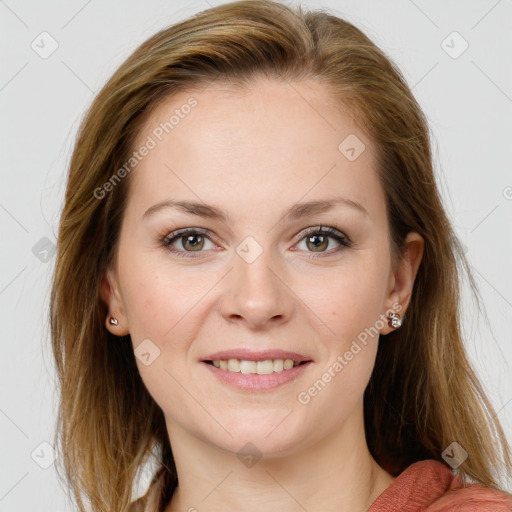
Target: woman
{"x":257,"y":284}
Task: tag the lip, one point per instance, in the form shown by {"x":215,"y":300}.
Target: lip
{"x":252,"y":382}
{"x":260,"y":355}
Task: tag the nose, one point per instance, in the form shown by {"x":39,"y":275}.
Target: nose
{"x":256,"y":294}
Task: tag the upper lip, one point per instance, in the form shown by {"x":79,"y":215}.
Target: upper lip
{"x":259,"y":355}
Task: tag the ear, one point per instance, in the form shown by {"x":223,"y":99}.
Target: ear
{"x":401,"y":280}
{"x":111,"y":296}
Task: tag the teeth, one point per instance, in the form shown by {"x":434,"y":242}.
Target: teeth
{"x":247,"y":366}
{"x":260,"y":367}
{"x":265,"y":367}
{"x":288,"y":363}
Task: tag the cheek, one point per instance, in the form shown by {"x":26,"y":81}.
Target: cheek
{"x":149,"y":307}
{"x":159,"y":300}
{"x":352,"y":305}
{"x":338,"y":388}
{"x":164,"y":309}
{"x":163,"y":322}
{"x":348,"y":301}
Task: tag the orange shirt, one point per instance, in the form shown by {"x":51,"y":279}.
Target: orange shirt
{"x":430,"y":486}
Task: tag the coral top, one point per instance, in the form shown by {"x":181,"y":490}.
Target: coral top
{"x":425,"y":486}
{"x":430,"y":486}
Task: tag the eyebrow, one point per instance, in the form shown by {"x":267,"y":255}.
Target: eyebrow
{"x":297,"y":211}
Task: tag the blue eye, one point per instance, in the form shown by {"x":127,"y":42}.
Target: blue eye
{"x":193,"y":240}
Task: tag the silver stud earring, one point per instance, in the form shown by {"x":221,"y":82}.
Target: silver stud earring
{"x":394,"y":320}
{"x":113,"y":321}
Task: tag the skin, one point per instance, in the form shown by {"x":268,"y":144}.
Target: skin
{"x":255,"y":153}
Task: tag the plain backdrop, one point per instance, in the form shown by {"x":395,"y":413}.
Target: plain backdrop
{"x":456,"y":57}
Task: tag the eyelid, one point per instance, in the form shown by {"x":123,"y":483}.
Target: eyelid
{"x":183,"y":231}
{"x":324,"y":230}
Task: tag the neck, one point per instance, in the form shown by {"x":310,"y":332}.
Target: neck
{"x":337,"y":473}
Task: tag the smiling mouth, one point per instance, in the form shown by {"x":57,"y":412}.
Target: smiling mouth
{"x":264,"y":367}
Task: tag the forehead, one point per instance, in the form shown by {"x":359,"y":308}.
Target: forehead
{"x":272,"y":142}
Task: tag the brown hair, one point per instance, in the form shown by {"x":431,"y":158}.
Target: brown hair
{"x":423,"y":393}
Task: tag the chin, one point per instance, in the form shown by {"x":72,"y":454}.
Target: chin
{"x":268,"y":439}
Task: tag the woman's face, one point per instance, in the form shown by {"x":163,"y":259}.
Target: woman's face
{"x":252,"y":278}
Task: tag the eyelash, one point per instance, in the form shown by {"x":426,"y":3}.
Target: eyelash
{"x":342,"y":239}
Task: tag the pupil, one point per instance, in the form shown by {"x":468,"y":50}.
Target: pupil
{"x":192,"y":240}
{"x":318,"y":243}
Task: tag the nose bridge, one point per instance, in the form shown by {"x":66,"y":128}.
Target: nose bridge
{"x":256,"y":291}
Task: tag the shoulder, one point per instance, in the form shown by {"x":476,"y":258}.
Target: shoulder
{"x":430,"y":486}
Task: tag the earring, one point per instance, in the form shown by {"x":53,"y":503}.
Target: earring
{"x":394,"y":320}
{"x":113,"y":321}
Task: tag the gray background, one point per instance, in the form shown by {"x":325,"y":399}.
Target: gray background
{"x":467,"y":98}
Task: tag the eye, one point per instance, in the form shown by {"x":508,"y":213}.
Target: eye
{"x":317,"y":240}
{"x":186,"y":241}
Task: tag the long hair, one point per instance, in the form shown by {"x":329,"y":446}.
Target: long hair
{"x":423,"y":393}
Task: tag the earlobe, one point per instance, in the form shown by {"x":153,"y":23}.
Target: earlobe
{"x":404,"y":278}
{"x":115,"y":321}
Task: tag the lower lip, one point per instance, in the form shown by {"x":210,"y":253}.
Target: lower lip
{"x":255,"y":382}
